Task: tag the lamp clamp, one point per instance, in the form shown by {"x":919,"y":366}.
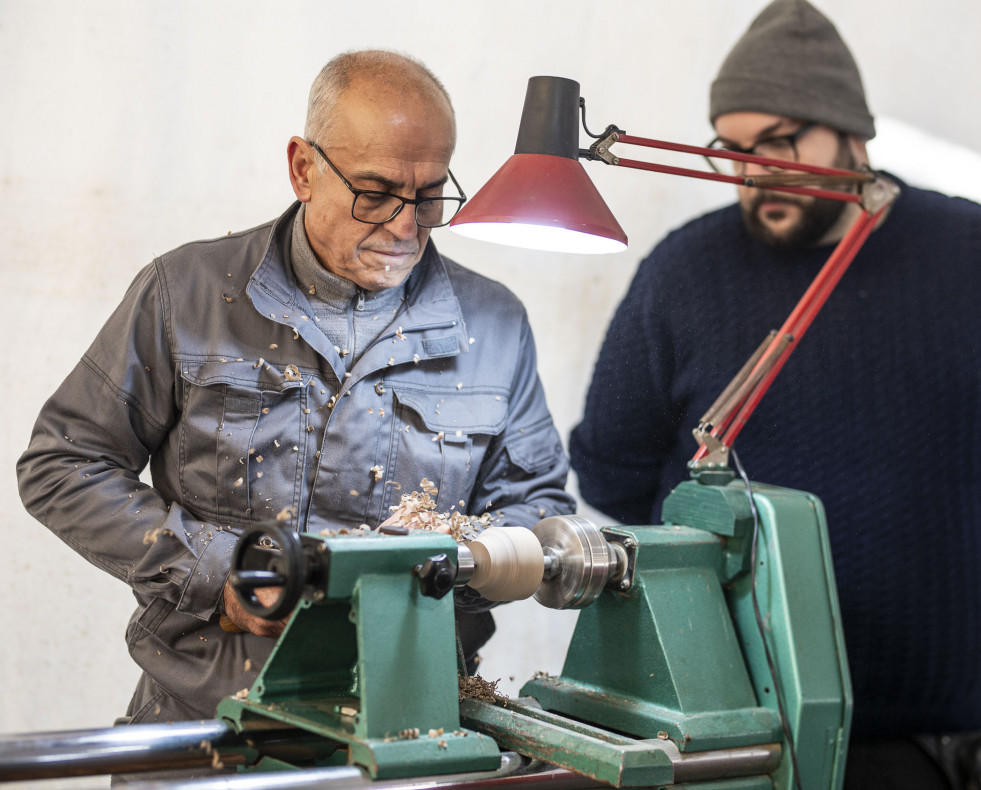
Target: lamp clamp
{"x":717,"y":454}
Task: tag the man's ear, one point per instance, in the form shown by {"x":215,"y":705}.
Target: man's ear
{"x":299,"y":154}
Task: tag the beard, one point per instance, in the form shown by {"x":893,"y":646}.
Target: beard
{"x":817,"y":215}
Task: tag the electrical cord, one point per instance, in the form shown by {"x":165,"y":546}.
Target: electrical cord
{"x":781,"y":709}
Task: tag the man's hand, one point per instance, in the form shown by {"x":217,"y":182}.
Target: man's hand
{"x":235,"y":612}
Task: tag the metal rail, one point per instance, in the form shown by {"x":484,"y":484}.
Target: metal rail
{"x":207,"y":745}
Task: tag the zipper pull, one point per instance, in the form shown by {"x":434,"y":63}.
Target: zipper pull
{"x":359,"y":295}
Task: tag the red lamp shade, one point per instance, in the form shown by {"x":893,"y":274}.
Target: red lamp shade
{"x":542,"y":202}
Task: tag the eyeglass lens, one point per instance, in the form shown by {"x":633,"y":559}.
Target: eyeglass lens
{"x":772,"y":148}
{"x":380,"y":207}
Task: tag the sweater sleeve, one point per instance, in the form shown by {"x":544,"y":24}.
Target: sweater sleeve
{"x":629,"y":419}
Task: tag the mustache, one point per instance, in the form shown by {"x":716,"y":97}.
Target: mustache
{"x":766,"y":196}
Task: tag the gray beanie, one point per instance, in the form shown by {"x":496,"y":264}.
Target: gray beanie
{"x":792,"y":62}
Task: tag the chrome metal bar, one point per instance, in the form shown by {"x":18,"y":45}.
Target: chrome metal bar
{"x":141,"y":747}
{"x":515,"y":772}
{"x":725,"y":763}
{"x":465,"y":565}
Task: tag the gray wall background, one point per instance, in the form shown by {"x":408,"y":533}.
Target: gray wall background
{"x":129,"y":128}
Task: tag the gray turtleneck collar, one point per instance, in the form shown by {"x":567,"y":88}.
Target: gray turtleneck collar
{"x":351,"y":317}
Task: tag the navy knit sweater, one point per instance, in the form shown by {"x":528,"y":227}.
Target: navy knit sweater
{"x":877,"y":412}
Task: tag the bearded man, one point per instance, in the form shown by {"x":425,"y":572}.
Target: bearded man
{"x":877,"y":412}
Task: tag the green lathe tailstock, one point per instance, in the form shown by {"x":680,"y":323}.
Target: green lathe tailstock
{"x":670,"y":667}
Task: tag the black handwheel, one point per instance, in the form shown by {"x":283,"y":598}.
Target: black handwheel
{"x":257,"y":564}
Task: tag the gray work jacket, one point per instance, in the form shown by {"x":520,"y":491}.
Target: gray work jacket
{"x":213,"y":370}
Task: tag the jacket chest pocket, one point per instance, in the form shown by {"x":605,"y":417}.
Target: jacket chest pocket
{"x":242,"y":440}
{"x":441,"y":435}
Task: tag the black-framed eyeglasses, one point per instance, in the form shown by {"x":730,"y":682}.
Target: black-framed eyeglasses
{"x":377,"y":208}
{"x":783,"y":146}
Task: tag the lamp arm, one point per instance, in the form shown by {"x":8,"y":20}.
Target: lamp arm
{"x":718,"y":428}
{"x":804,"y":180}
{"x":721,"y":425}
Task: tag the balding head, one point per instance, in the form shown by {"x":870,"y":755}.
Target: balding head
{"x":371,"y":71}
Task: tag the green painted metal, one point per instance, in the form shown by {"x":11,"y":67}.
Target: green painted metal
{"x":677,"y":653}
{"x":664,"y":656}
{"x":799,"y":603}
{"x":373,"y":665}
{"x":605,"y":756}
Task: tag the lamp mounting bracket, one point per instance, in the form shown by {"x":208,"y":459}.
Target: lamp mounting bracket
{"x":878,"y":194}
{"x":600,"y":150}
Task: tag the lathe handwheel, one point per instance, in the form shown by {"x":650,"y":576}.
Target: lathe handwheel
{"x":257,"y":565}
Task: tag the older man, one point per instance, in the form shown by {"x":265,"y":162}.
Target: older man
{"x":321,"y":365}
{"x":876,"y":411}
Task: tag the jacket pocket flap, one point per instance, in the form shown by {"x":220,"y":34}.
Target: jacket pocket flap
{"x":536,"y":450}
{"x":246,"y":374}
{"x":451,"y":410}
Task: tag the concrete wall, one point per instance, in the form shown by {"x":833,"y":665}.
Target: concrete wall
{"x":129,"y":128}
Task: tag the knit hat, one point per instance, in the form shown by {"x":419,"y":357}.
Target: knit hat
{"x":792,"y":62}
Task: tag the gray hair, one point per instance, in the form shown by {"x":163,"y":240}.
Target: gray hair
{"x":399,"y":71}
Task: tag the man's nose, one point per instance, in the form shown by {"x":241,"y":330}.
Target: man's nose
{"x":753,"y":169}
{"x":403,"y":225}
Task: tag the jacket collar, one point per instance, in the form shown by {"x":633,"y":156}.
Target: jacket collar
{"x":430,"y":315}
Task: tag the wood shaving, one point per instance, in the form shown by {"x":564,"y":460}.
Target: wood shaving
{"x":417,"y":510}
{"x":150,"y":536}
{"x":475,"y":687}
